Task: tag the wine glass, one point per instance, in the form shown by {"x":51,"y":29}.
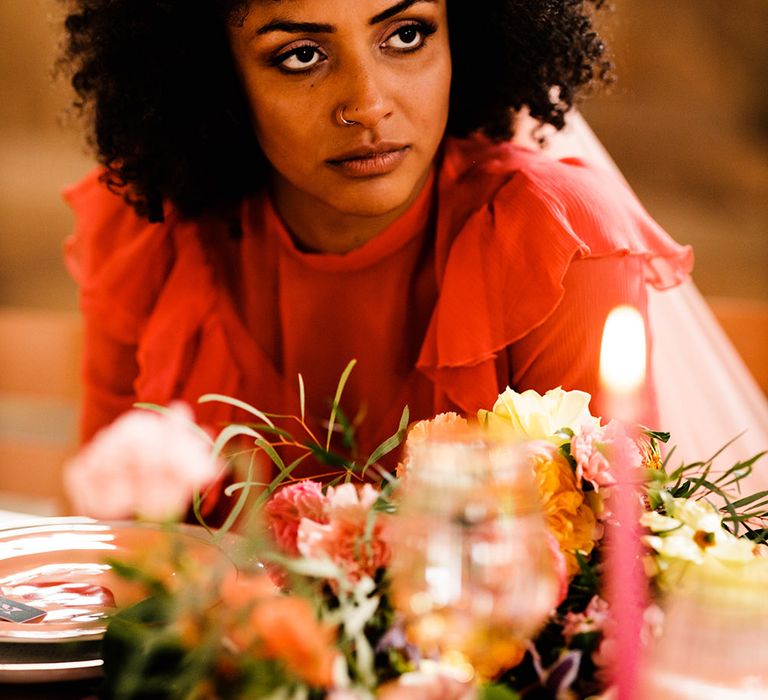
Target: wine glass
{"x":473,"y":575}
{"x":714,"y":644}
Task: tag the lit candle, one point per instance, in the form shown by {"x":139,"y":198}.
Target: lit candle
{"x":622,"y":364}
{"x":622,"y":376}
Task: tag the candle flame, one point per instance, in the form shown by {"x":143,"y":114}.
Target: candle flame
{"x":622,"y":353}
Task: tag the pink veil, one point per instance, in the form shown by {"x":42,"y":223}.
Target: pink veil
{"x":706,"y":395}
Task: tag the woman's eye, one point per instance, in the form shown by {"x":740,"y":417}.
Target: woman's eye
{"x":406,"y":38}
{"x":299,"y":59}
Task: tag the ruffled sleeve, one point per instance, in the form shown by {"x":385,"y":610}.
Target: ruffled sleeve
{"x":504,"y":263}
{"x":154,"y":325}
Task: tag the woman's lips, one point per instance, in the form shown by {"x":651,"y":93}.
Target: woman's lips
{"x":371,"y":163}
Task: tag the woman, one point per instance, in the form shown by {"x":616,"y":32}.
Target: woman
{"x":290,"y":185}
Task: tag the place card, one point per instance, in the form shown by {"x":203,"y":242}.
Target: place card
{"x":14,"y":611}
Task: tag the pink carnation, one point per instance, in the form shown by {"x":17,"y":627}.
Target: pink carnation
{"x":442,"y":425}
{"x":144,"y":464}
{"x":595,"y":446}
{"x":289,"y":505}
{"x":343,"y":537}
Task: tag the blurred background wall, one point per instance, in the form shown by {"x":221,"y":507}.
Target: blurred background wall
{"x":687,"y":122}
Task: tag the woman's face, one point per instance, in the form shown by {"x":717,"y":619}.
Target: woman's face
{"x":385,"y":63}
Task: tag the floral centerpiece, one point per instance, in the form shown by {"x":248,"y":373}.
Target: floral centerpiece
{"x":309,"y":611}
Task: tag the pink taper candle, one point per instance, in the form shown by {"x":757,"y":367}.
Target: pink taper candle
{"x":622,"y":376}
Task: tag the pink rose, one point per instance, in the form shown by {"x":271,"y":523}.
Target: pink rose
{"x":144,"y":464}
{"x":285,"y":510}
{"x":342,"y":539}
{"x":595,"y":446}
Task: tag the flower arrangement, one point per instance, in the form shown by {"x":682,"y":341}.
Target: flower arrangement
{"x":309,"y":612}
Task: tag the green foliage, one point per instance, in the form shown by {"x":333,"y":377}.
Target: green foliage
{"x":700,"y":481}
{"x":143,"y":658}
{"x":497,"y":691}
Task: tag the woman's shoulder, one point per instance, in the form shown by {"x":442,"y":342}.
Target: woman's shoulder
{"x":542,"y":209}
{"x":511,"y":175}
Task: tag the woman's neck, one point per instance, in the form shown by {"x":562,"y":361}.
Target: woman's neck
{"x":317,"y":227}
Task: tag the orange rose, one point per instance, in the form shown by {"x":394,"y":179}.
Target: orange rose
{"x":568,"y":515}
{"x":290,"y":633}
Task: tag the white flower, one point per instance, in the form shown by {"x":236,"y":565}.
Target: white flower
{"x":531,"y":416}
{"x":692,"y":532}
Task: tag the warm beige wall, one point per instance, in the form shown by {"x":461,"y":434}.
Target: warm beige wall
{"x":37,"y":157}
{"x":684,"y":123}
{"x":688,"y":124}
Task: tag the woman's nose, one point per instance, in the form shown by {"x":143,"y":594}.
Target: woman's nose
{"x":366,"y":100}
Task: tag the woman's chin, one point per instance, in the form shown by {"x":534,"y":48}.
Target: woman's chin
{"x":375,"y":197}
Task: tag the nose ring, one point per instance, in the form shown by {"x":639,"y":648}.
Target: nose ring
{"x":340,"y":117}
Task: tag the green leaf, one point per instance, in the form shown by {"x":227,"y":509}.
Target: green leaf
{"x":165,"y":410}
{"x":142,"y":656}
{"x":275,"y":483}
{"x":207,"y":398}
{"x":302,"y":397}
{"x":347,"y":431}
{"x":337,"y":401}
{"x":497,"y":691}
{"x":229,"y":433}
{"x":748,"y":500}
{"x":391,"y":442}
{"x":657,"y":435}
{"x":323,"y":456}
{"x":239,"y":504}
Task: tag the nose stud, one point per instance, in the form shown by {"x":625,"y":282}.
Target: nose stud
{"x":340,"y":117}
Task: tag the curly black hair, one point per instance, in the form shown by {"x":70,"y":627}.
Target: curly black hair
{"x":169,"y":119}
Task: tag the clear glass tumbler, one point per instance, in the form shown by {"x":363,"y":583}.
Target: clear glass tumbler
{"x":473,"y":571}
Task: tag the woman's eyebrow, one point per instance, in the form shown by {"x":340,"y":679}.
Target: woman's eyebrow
{"x":285,"y":25}
{"x":395,"y":10}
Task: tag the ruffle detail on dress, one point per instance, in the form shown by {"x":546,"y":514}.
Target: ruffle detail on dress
{"x":151,"y":285}
{"x":503,"y":269}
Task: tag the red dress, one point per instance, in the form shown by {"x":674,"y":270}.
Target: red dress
{"x":501,"y":273}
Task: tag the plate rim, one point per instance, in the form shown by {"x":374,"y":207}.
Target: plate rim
{"x":96,"y":629}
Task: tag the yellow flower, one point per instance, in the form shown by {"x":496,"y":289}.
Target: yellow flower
{"x":568,"y":515}
{"x":531,"y":416}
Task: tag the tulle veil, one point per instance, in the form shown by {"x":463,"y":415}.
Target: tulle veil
{"x":706,"y":395}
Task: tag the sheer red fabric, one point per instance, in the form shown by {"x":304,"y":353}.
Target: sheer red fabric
{"x":502,"y":272}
